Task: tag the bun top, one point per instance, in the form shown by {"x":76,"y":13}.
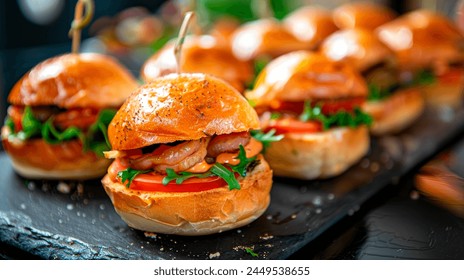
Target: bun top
{"x":358,"y":47}
{"x":423,"y":39}
{"x":303,"y":75}
{"x":310,"y":24}
{"x":74,"y":81}
{"x":362,"y":14}
{"x":264,"y":37}
{"x":200,"y":54}
{"x":180,"y":107}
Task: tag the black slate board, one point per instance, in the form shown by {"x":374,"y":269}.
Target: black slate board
{"x":52,"y":221}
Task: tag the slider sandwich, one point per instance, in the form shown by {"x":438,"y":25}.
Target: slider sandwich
{"x":393,"y":103}
{"x":185,"y":162}
{"x":57,"y":121}
{"x":315,"y":103}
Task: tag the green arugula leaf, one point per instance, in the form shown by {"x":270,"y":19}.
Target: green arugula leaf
{"x":180,"y":178}
{"x":251,"y":252}
{"x":241,"y":168}
{"x":266,"y":138}
{"x":341,"y":118}
{"x":52,"y":136}
{"x":99,"y":130}
{"x":226,"y":174}
{"x":10,"y":124}
{"x":31,"y":125}
{"x":424,"y":77}
{"x":129,"y":175}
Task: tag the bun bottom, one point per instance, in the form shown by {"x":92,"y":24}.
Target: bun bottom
{"x":396,"y":112}
{"x":443,"y":94}
{"x":318,"y":155}
{"x":194,"y":213}
{"x":36,"y":159}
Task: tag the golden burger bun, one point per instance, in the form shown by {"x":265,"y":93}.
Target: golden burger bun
{"x":396,"y":112}
{"x":305,"y":75}
{"x":318,"y":155}
{"x":181,"y":107}
{"x":264,"y":38}
{"x":194,"y":213}
{"x":358,"y":47}
{"x":74,"y":81}
{"x":70,"y":81}
{"x":310,"y":24}
{"x":199,"y":105}
{"x":200,"y":54}
{"x":362,"y":15}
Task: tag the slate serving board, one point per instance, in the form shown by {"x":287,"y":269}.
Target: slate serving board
{"x":76,"y":220}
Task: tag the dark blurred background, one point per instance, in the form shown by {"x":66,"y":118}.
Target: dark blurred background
{"x":31,"y":31}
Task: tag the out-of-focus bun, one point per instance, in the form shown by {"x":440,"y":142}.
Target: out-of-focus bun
{"x":84,"y":80}
{"x":303,"y":75}
{"x":362,"y":15}
{"x":310,"y":24}
{"x":200,"y":54}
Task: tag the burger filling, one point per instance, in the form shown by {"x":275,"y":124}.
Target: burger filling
{"x":55,"y":125}
{"x":220,"y":159}
{"x":313,"y":116}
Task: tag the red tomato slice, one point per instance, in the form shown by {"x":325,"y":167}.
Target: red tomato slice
{"x":153,"y":183}
{"x":452,"y":76}
{"x":290,"y":125}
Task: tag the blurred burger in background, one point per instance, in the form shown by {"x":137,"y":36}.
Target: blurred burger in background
{"x":362,"y":14}
{"x":200,"y":54}
{"x":315,"y":103}
{"x":430,"y":52}
{"x":394,"y":105}
{"x":310,"y":24}
{"x":59,"y":113}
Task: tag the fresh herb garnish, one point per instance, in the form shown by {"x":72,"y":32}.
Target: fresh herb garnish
{"x":31,"y":126}
{"x":10,"y":124}
{"x":251,"y":252}
{"x":226,"y":172}
{"x":96,"y":138}
{"x":266,"y":138}
{"x":376,"y":93}
{"x":424,"y":77}
{"x":340,"y":118}
{"x":275,"y":115}
{"x":129,"y":174}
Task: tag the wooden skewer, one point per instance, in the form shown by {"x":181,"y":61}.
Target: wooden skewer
{"x":263,"y":8}
{"x":181,"y":38}
{"x":80,"y":22}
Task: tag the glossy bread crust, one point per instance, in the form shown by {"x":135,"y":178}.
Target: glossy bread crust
{"x":362,"y":14}
{"x":303,"y":75}
{"x":358,"y":47}
{"x":200,"y":54}
{"x":180,"y":107}
{"x":264,"y":37}
{"x":74,"y":81}
{"x":310,"y":24}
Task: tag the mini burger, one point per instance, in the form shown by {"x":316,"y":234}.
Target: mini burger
{"x":185,"y":163}
{"x":394,"y":105}
{"x":57,"y":121}
{"x":315,"y":104}
{"x":200,"y":54}
{"x":366,"y":15}
{"x":264,"y":39}
{"x":430,"y":52}
{"x":310,"y":24}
